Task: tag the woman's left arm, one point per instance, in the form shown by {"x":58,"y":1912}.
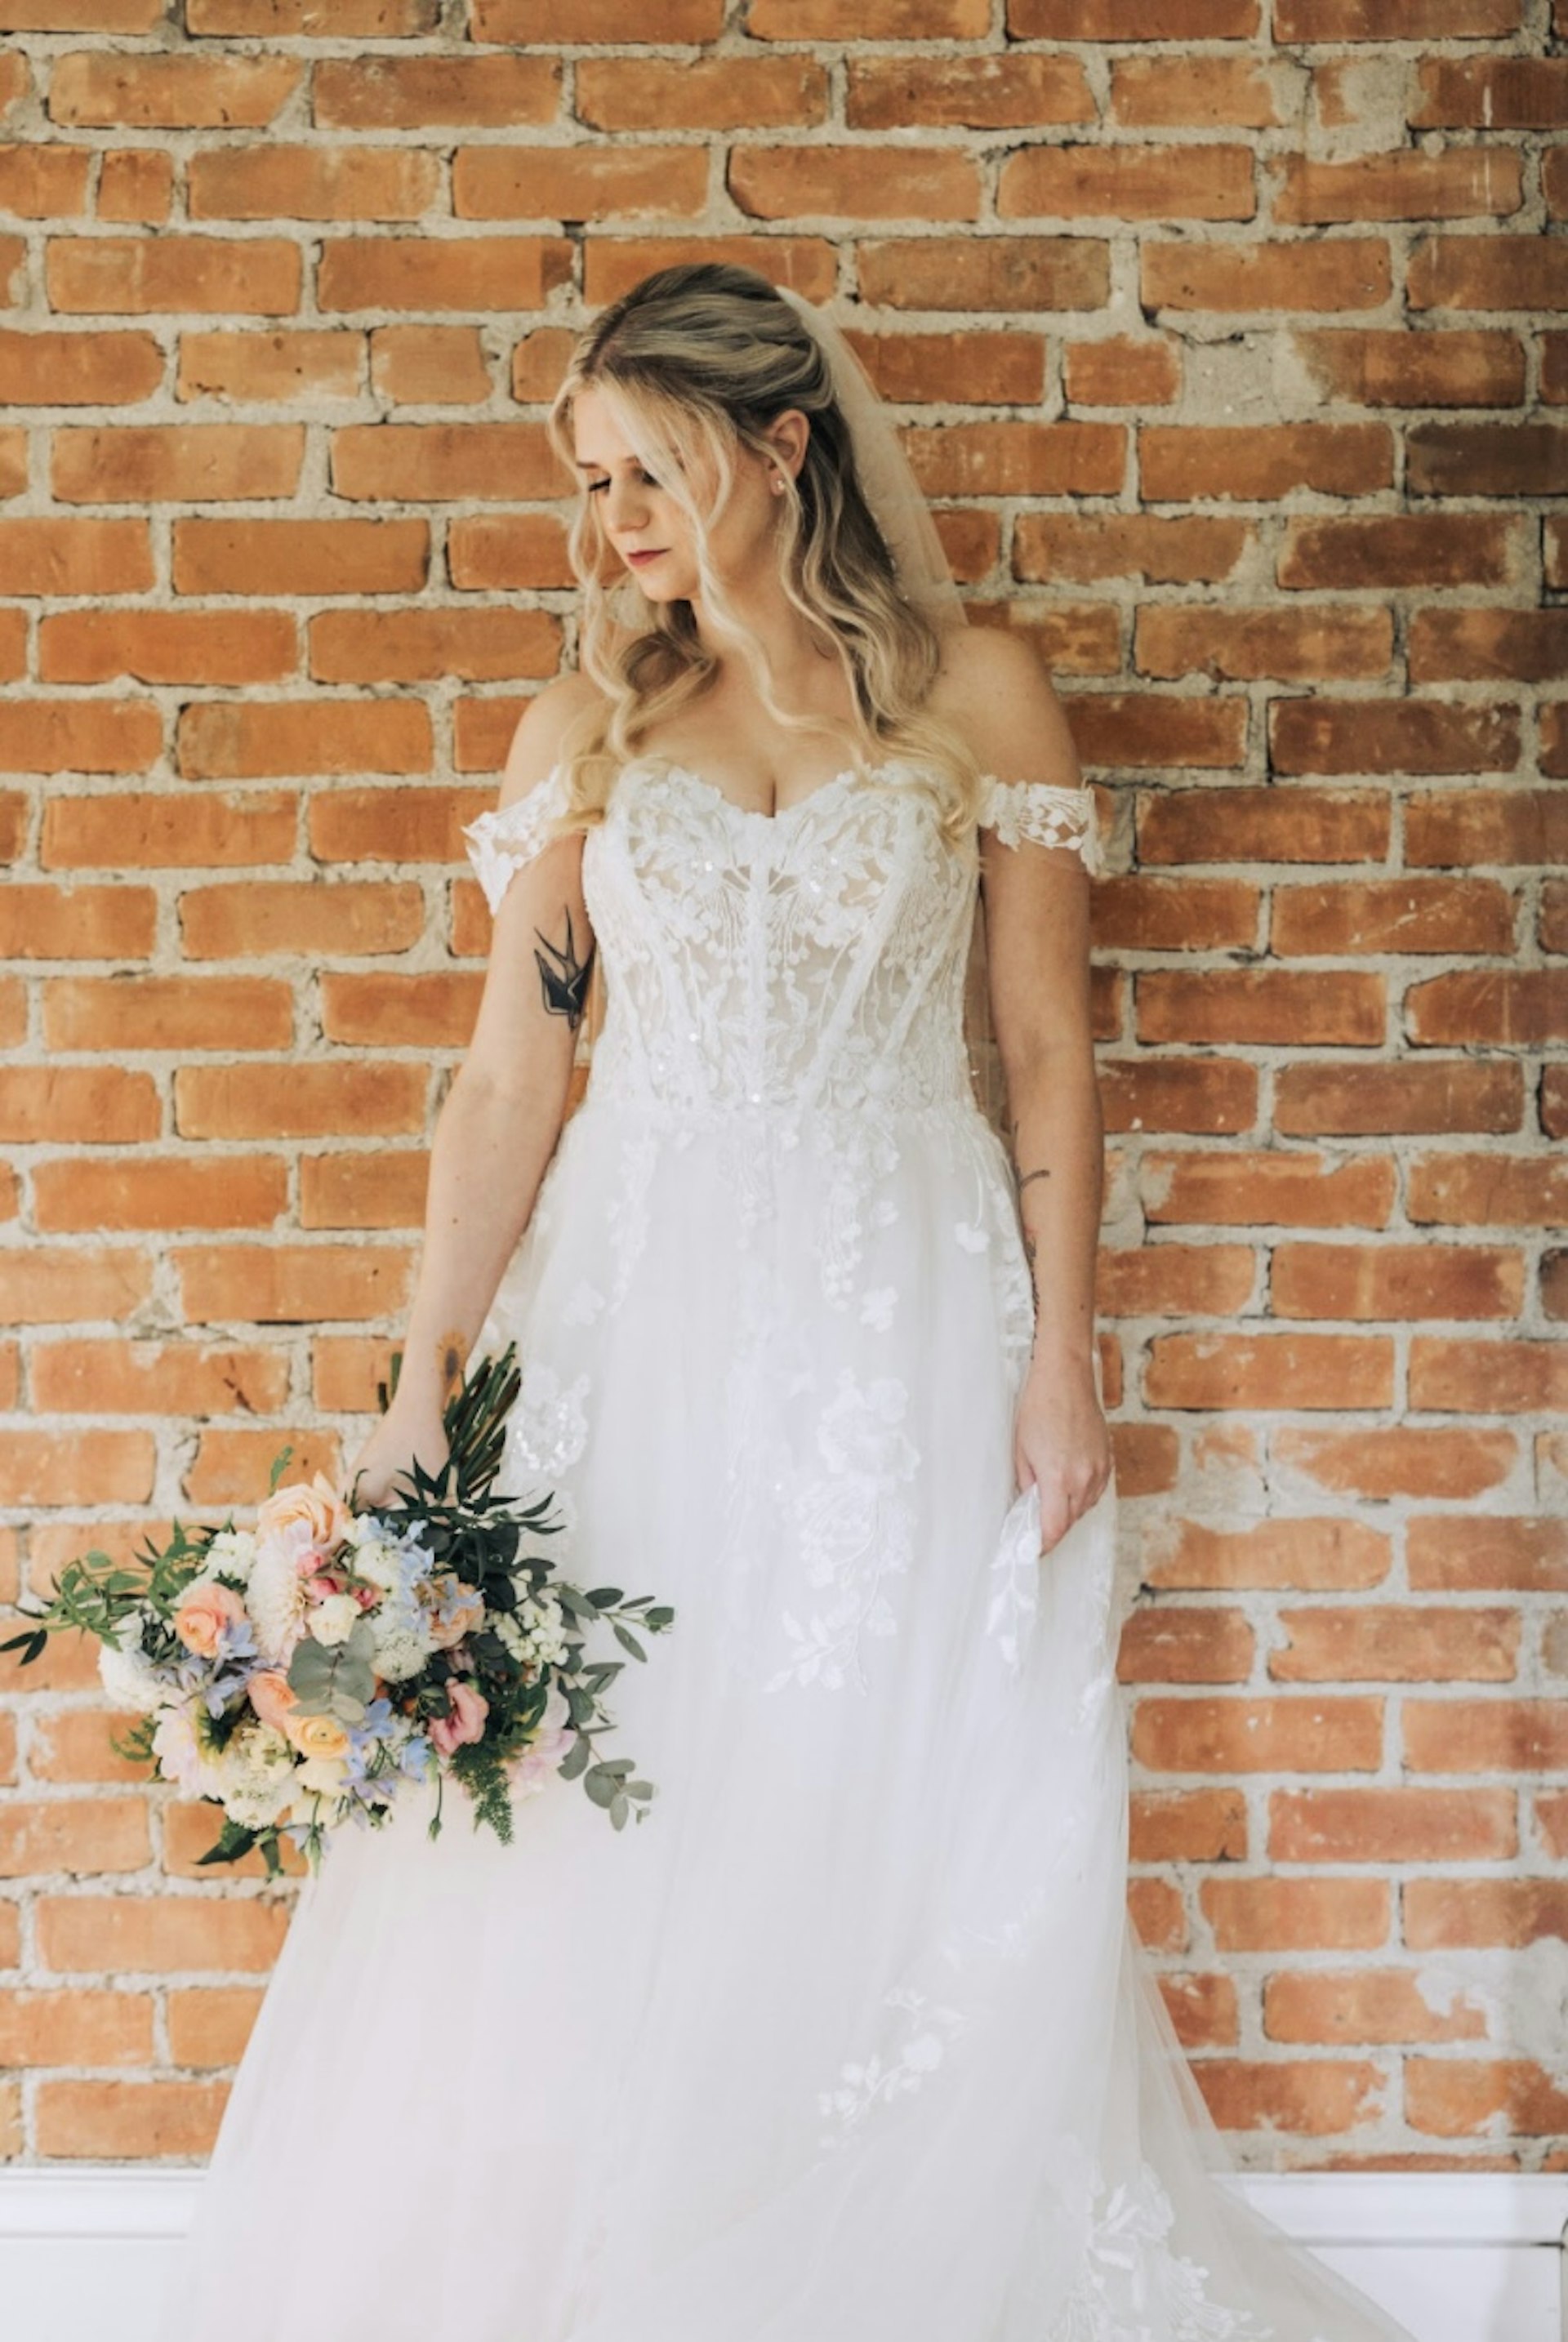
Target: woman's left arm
{"x":1036,"y":903}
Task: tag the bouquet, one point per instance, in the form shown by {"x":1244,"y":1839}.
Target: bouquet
{"x":301,"y":1672}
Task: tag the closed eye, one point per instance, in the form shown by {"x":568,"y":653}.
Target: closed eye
{"x":594,"y":486}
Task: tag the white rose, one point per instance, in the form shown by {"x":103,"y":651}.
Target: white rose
{"x":332,"y":1620}
{"x":233,"y":1554}
{"x":127,"y":1674}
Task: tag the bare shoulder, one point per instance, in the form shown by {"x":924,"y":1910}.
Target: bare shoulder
{"x":996,"y":690}
{"x":541,"y":730}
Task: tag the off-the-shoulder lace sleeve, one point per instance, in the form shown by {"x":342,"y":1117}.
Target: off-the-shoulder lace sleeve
{"x":501,"y":842}
{"x":1045,"y":813}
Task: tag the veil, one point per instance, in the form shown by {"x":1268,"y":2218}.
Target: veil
{"x":926,"y":577}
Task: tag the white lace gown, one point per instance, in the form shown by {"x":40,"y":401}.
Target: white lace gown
{"x":848,"y":2041}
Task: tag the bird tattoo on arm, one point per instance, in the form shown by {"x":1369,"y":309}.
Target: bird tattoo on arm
{"x":562,"y":976}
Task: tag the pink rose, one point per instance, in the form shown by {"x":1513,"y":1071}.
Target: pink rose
{"x":542,"y":1756}
{"x":271,"y":1697}
{"x":205,"y":1615}
{"x":466,"y":1721}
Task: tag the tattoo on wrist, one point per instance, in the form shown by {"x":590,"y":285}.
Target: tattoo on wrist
{"x":450,"y":1354}
{"x":1029,"y":1252}
{"x":564,"y":978}
{"x":1025,"y":1176}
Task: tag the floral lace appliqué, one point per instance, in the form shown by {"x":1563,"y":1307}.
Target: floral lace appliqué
{"x":1133,"y":2285}
{"x":856,"y":1528}
{"x":928,"y":2028}
{"x":1043,"y":814}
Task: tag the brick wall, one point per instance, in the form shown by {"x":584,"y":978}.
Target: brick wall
{"x":1229,"y":348}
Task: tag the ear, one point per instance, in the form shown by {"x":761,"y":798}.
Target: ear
{"x":787,"y":434}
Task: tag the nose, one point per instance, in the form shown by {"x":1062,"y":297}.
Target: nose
{"x":627,"y":501}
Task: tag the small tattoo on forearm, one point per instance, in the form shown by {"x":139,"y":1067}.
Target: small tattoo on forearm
{"x":564,"y":978}
{"x":1029,"y":1252}
{"x":450,"y":1352}
{"x":1027,"y":1176}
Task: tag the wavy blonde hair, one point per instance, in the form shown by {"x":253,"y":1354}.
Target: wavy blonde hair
{"x":694,"y":363}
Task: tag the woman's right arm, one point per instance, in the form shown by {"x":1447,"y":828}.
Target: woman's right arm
{"x":501,"y":1116}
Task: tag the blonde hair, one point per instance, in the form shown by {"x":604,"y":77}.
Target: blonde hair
{"x":694,"y":363}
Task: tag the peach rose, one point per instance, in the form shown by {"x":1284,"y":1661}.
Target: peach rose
{"x":205,"y":1615}
{"x":272,"y":1697}
{"x":466,"y":1721}
{"x":317,"y":1504}
{"x":316,"y":1736}
{"x":468,"y":1614}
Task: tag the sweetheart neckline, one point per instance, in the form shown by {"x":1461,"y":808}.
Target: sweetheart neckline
{"x":672,"y":767}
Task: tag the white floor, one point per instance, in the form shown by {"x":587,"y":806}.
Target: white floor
{"x":1456,"y":2258}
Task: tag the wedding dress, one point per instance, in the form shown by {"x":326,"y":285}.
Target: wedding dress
{"x":848,"y":2041}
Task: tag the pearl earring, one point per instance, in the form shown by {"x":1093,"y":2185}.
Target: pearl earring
{"x":778,"y":484}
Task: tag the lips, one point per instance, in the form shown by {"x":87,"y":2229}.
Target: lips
{"x":648,"y":554}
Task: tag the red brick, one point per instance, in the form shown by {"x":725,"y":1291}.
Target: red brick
{"x":415,"y":92}
{"x":984,"y":274}
{"x":76,"y":1744}
{"x":407,"y":824}
{"x":1188,"y":1826}
{"x":1444,"y":1914}
{"x":1393,"y":915}
{"x":1157,"y":1914}
{"x":294,"y":1285}
{"x":1303,"y":643}
{"x":167,"y":1012}
{"x":384,"y":1189}
{"x":51,"y":1285}
{"x":1172,"y":1280}
{"x":1488,"y":1377}
{"x":1168,"y":1645}
{"x":1315,"y":2096}
{"x":1395,"y":1643}
{"x":441,"y":273}
{"x":1198,"y":1095}
{"x":1395,"y":1281}
{"x":248,"y":555}
{"x":118,"y":2120}
{"x":39,"y":921}
{"x":429,"y":365}
{"x":174,"y":92}
{"x":1267,"y":1915}
{"x":241,"y":740}
{"x":235,"y":1467}
{"x":1321,"y":1556}
{"x":1490,"y":93}
{"x":1148,"y":1457}
{"x":74,"y":369}
{"x":1493,"y":272}
{"x":1367,"y":2006}
{"x":79,"y":735}
{"x":1464,"y":182}
{"x":151,"y":463}
{"x":1343,"y":273}
{"x":209,"y":2025}
{"x":1488,"y":1190}
{"x":1394,"y":1826}
{"x":84,"y":1468}
{"x":1379,"y":1100}
{"x":309,"y":917}
{"x":1459,"y":2097}
{"x":1298,"y":1007}
{"x":1182,"y":462}
{"x":1258,"y":1736}
{"x":146,"y":1378}
{"x":75,"y":2028}
{"x":300,"y":1101}
{"x":525,"y":22}
{"x":1392,"y":366}
{"x":1399,"y":549}
{"x":1400,"y":1460}
{"x":1213,"y":181}
{"x":1203,"y":2009}
{"x":1013,"y":90}
{"x":172,"y":274}
{"x":76,"y":1104}
{"x":1132,"y":20}
{"x":1262,"y":825}
{"x":1314,"y":735}
{"x":1168,"y":90}
{"x":52,"y":554}
{"x":78,"y":1837}
{"x":168,"y":832}
{"x":1336,"y":1371}
{"x":1521,"y":1008}
{"x":428,"y":645}
{"x":347,"y":1370}
{"x":278,"y":367}
{"x":168,"y":645}
{"x":1230,"y":1188}
{"x":230,"y":1191}
{"x":1486,"y":1736}
{"x":1486,"y":1552}
{"x":281,"y":181}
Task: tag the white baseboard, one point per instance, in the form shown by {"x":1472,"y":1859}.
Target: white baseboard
{"x":1456,"y":2257}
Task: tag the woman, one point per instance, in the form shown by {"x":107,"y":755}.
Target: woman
{"x":849,"y":2040}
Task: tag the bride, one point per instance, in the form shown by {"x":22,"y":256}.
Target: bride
{"x":848,"y":2040}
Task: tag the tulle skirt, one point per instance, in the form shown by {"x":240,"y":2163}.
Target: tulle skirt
{"x":848,"y":2041}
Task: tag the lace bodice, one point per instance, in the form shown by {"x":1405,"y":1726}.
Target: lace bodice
{"x":809,"y":959}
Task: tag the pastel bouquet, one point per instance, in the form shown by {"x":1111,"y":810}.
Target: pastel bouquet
{"x":302,"y":1673}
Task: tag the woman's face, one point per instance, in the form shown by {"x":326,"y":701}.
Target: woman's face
{"x":647,"y":528}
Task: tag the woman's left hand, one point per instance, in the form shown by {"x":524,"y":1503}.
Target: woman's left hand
{"x":1062,"y":1442}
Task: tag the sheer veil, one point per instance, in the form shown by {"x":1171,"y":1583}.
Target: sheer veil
{"x":901,"y":512}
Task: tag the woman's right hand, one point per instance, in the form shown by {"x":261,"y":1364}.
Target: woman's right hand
{"x":397,"y":1442}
